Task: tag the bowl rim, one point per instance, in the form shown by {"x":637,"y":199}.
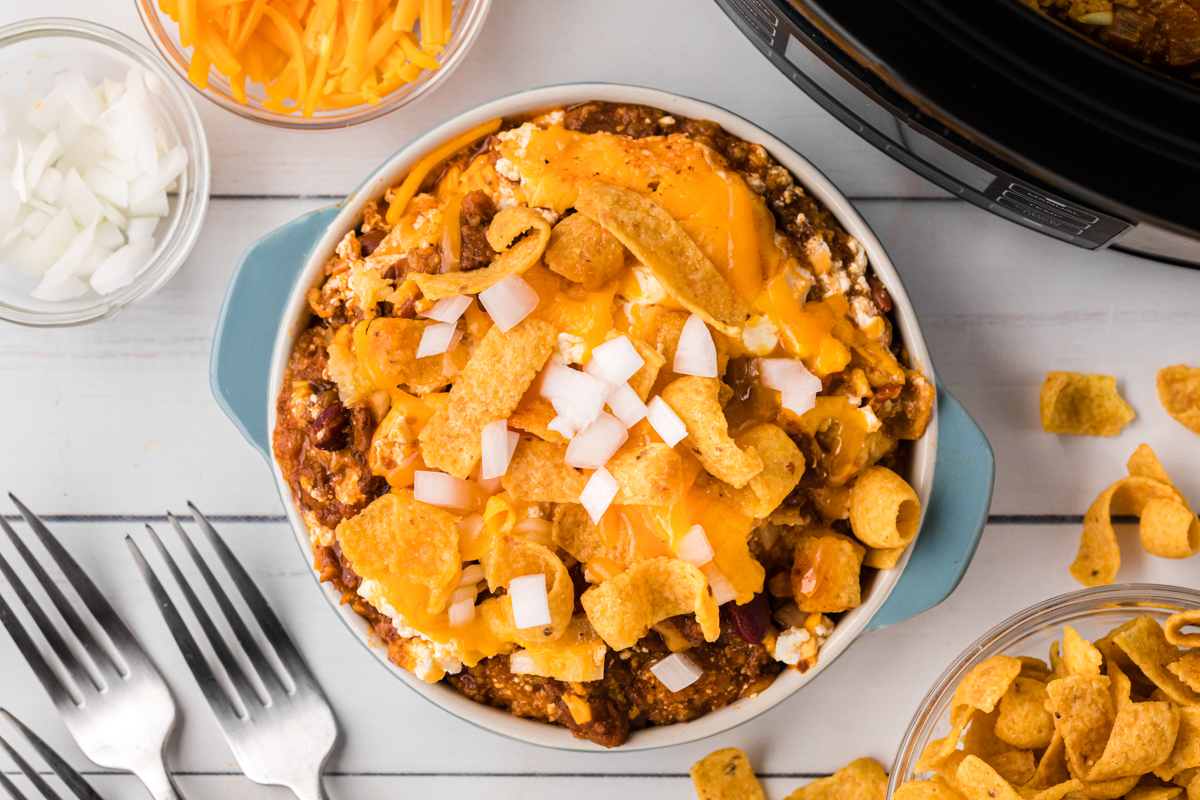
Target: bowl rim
{"x":818,"y":186}
{"x":1094,"y":598}
{"x":194,"y":202}
{"x":472,"y":19}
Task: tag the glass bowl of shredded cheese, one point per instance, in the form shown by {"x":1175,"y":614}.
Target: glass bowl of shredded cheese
{"x":104,"y":174}
{"x":313,"y":63}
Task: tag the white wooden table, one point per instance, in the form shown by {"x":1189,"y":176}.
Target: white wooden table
{"x":108,"y":426}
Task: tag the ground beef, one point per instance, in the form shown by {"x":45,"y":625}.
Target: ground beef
{"x":312,"y":472}
{"x":476,"y":213}
{"x":629,"y":697}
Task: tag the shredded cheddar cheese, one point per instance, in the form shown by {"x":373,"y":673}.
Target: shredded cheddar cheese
{"x":312,"y":54}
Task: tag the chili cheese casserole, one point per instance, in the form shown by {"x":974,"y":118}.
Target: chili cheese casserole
{"x":599,"y":417}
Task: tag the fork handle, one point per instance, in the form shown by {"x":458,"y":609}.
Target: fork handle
{"x":159,"y":782}
{"x":314,"y":791}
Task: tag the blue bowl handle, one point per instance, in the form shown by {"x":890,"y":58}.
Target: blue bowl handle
{"x":255,"y":302}
{"x":954,"y":520}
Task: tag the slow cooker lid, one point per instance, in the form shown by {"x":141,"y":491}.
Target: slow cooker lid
{"x":1034,"y":93}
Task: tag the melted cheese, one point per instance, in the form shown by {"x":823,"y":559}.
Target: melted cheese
{"x":714,"y":205}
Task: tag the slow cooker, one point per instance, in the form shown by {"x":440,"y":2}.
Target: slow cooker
{"x":1005,"y":108}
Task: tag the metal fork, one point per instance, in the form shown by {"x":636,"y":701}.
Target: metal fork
{"x":78,"y":786}
{"x":120,"y":711}
{"x":283,"y":739}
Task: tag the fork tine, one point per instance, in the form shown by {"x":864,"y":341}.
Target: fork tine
{"x":236,"y":674}
{"x":92,"y":599}
{"x":83,"y":679}
{"x":29,"y":771}
{"x":62,"y":769}
{"x":276,"y":635}
{"x":9,"y":787}
{"x":221,"y":705}
{"x":265,"y":672}
{"x":58,"y":693}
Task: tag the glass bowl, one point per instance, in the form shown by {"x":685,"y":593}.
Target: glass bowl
{"x":32,"y":53}
{"x":467,"y":17}
{"x":1091,"y":612}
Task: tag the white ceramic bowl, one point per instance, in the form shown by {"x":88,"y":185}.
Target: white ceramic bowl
{"x":244,"y":321}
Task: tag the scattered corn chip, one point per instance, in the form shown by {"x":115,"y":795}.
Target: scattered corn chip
{"x":513,"y":557}
{"x":825,"y":572}
{"x":623,"y":608}
{"x":513,"y":259}
{"x":863,"y":779}
{"x":1168,"y":528}
{"x":696,"y":401}
{"x":581,"y":251}
{"x":783,"y":466}
{"x":1179,"y":393}
{"x":1023,"y":720}
{"x":884,"y":509}
{"x":726,"y":775}
{"x":490,"y":387}
{"x":1089,"y":405}
{"x":661,"y":243}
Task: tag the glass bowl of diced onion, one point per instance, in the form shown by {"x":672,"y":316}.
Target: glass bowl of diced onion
{"x":104,"y":174}
{"x":313,"y":64}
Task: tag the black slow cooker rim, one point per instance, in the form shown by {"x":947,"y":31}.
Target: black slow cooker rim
{"x":1120,"y":142}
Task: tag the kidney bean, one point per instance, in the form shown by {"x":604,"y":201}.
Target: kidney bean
{"x":879,"y":293}
{"x":370,"y":240}
{"x":330,"y":430}
{"x":751,"y":620}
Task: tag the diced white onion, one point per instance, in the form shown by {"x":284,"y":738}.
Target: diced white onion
{"x":562,"y":425}
{"x":598,"y":494}
{"x":722,"y":589}
{"x":436,"y":339}
{"x":676,"y":672}
{"x":449,"y":309}
{"x":596,"y":444}
{"x":530,"y":604}
{"x":143,"y":228}
{"x":122,"y":267}
{"x":498,"y":444}
{"x":665,"y":421}
{"x":799,"y":402}
{"x":490,"y":485}
{"x":694,"y":547}
{"x":474,"y":573}
{"x":85,"y":160}
{"x":696,"y":354}
{"x":468,"y":592}
{"x":462,"y":613}
{"x":618,"y":359}
{"x":788,"y":375}
{"x":626,"y":405}
{"x":520,"y":662}
{"x":170,"y":167}
{"x":440,"y":489}
{"x":471,"y":525}
{"x":509,"y":301}
{"x":576,"y":396}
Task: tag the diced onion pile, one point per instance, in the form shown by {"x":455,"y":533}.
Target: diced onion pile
{"x":85,"y":175}
{"x":676,"y":672}
{"x":312,"y":54}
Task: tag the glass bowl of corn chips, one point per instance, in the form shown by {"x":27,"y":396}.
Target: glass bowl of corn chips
{"x":314,"y":63}
{"x":1090,"y":694}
